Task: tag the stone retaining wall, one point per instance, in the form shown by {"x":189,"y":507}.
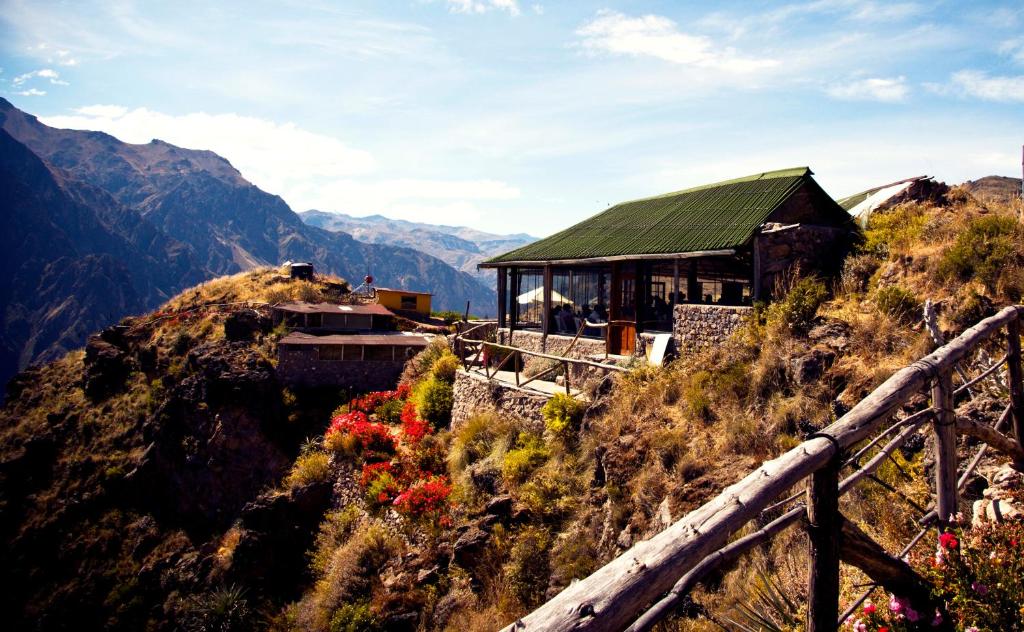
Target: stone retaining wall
{"x":699,"y":326}
{"x":474,"y":393}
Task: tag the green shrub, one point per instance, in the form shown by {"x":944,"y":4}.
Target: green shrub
{"x":224,"y":610}
{"x":898,"y":303}
{"x":312,"y":467}
{"x":434,"y":399}
{"x":528,"y":455}
{"x":355,"y":617}
{"x":548,"y":494}
{"x":420,"y":365}
{"x":528,"y":569}
{"x":390,"y":412}
{"x":481,"y":435}
{"x":449,"y":316}
{"x":696,"y":398}
{"x":988,"y":249}
{"x":797,"y":310}
{"x":445,"y":367}
{"x":562,"y":415}
{"x":336,"y":527}
{"x":894,"y":230}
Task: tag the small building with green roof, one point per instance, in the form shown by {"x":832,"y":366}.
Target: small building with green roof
{"x":628,"y":269}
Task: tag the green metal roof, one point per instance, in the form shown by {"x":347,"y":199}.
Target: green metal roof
{"x":716,"y":216}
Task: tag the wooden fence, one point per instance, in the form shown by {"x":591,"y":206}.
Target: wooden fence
{"x":645,"y":584}
{"x":481,"y":355}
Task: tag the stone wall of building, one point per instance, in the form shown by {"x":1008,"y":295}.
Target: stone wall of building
{"x":808,"y":248}
{"x":299,"y":366}
{"x":474,"y":393}
{"x":699,"y":326}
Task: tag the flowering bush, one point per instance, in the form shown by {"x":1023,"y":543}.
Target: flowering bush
{"x":379,"y":483}
{"x":354,"y":433}
{"x":977,"y":573}
{"x":426,"y":498}
{"x":413,"y":428}
{"x":369,"y":403}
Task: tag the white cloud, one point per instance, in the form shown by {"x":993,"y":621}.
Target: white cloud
{"x":483,"y":6}
{"x":273,"y":156}
{"x":103,"y":111}
{"x":64,"y":58}
{"x":44,"y":73}
{"x":32,"y":92}
{"x":538,"y":9}
{"x":659,"y":37}
{"x":887,"y":90}
{"x":979,"y":84}
{"x":1014,"y":49}
{"x":307,"y":169}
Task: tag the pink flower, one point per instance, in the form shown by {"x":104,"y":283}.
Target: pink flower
{"x":972,"y":629}
{"x":979,"y":588}
{"x":937,"y":621}
{"x":869,"y":608}
{"x":859,"y":626}
{"x":896,"y":604}
{"x":912,"y":615}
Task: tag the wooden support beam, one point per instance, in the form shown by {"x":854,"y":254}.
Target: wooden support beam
{"x":823,"y":553}
{"x":502,"y":295}
{"x":546,"y":315}
{"x":944,"y":433}
{"x":992,"y":437}
{"x":895,"y":575}
{"x":1013,"y":370}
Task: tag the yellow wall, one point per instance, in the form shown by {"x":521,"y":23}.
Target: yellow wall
{"x":392,"y":299}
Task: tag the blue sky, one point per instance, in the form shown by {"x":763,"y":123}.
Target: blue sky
{"x":514,"y":116}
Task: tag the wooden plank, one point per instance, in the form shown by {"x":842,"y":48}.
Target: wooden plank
{"x":1013,"y":366}
{"x":823,"y":548}
{"x":944,"y":434}
{"x":995,"y":439}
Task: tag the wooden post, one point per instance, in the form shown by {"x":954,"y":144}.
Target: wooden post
{"x":675,"y":282}
{"x":513,"y":302}
{"x":546,"y":316}
{"x":823,"y":538}
{"x":693,"y":290}
{"x":1013,"y":370}
{"x":502,"y":299}
{"x":944,"y":433}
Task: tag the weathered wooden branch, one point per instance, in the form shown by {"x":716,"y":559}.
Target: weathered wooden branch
{"x":995,"y":439}
{"x":1013,"y":376}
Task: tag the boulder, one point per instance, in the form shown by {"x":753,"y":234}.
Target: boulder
{"x":468,"y":548}
{"x":106,"y":367}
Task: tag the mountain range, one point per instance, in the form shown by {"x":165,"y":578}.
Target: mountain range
{"x":459,"y":246}
{"x":95,"y":229}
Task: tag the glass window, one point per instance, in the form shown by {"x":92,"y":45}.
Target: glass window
{"x":529,"y":298}
{"x":659,"y":296}
{"x":579,"y":295}
{"x":408,"y":302}
{"x":331,"y":353}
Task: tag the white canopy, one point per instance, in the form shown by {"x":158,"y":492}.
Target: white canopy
{"x":536,"y":295}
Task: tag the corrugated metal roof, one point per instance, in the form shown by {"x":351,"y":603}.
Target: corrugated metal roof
{"x":332,"y":308}
{"x":716,"y":216}
{"x":410,"y":340}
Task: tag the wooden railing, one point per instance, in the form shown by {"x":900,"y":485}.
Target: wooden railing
{"x":643,"y":585}
{"x":474,"y":353}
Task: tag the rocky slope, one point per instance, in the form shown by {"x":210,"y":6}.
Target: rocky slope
{"x":459,"y":246}
{"x":98,"y":229}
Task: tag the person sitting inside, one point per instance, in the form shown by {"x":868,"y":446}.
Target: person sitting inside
{"x":565,"y":320}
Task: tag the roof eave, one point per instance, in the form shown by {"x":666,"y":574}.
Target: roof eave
{"x":722,"y":252}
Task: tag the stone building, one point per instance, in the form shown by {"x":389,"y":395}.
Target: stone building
{"x":359,"y":362}
{"x":689,"y":263}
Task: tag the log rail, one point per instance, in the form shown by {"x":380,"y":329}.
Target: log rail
{"x":643,"y":585}
{"x":477,"y":352}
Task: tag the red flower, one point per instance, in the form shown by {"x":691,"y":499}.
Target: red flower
{"x":413,"y":428}
{"x":371,"y":438}
{"x":870,"y":608}
{"x":948,"y":541}
{"x":883,"y":629}
{"x":425,"y":497}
